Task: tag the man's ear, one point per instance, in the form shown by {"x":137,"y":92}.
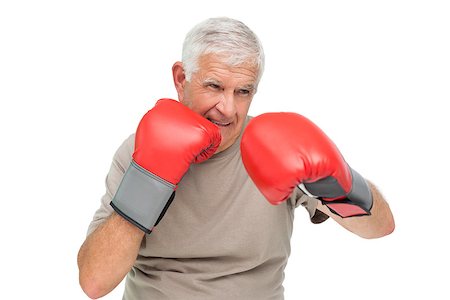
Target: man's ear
{"x":179,"y":79}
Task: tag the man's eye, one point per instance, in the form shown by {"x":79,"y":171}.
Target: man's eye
{"x":244,"y":92}
{"x":214,"y":86}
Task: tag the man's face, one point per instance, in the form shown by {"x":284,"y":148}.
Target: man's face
{"x":221,"y":93}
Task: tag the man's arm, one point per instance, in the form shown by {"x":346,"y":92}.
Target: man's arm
{"x":107,"y":255}
{"x":145,"y":191}
{"x":380,"y":223}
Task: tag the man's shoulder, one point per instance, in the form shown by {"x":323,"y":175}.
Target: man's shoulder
{"x":125,"y":150}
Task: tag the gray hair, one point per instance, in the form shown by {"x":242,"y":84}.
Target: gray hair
{"x":222,"y":36}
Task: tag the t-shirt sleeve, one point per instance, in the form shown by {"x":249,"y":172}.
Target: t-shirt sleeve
{"x":120,"y":163}
{"x":298,"y":198}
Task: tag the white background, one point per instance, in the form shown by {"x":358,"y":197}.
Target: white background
{"x":76,"y":76}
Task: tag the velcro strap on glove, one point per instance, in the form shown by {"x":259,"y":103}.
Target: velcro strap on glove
{"x":142,"y":197}
{"x":358,"y":202}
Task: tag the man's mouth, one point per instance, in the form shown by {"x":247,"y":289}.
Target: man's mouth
{"x":220,"y":123}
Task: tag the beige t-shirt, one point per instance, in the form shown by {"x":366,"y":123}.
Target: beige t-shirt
{"x":220,"y":238}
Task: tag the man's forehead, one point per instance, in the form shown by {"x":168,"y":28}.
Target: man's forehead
{"x":221,"y":59}
{"x":214,"y":69}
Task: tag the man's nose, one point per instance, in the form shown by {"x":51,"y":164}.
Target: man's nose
{"x":227,"y":104}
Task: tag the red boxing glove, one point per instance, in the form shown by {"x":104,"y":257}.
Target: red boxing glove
{"x":168,"y":139}
{"x":281,"y":151}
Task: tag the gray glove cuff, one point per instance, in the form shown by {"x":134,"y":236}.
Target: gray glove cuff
{"x":142,"y":197}
{"x":360,"y":193}
{"x":328,"y":187}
